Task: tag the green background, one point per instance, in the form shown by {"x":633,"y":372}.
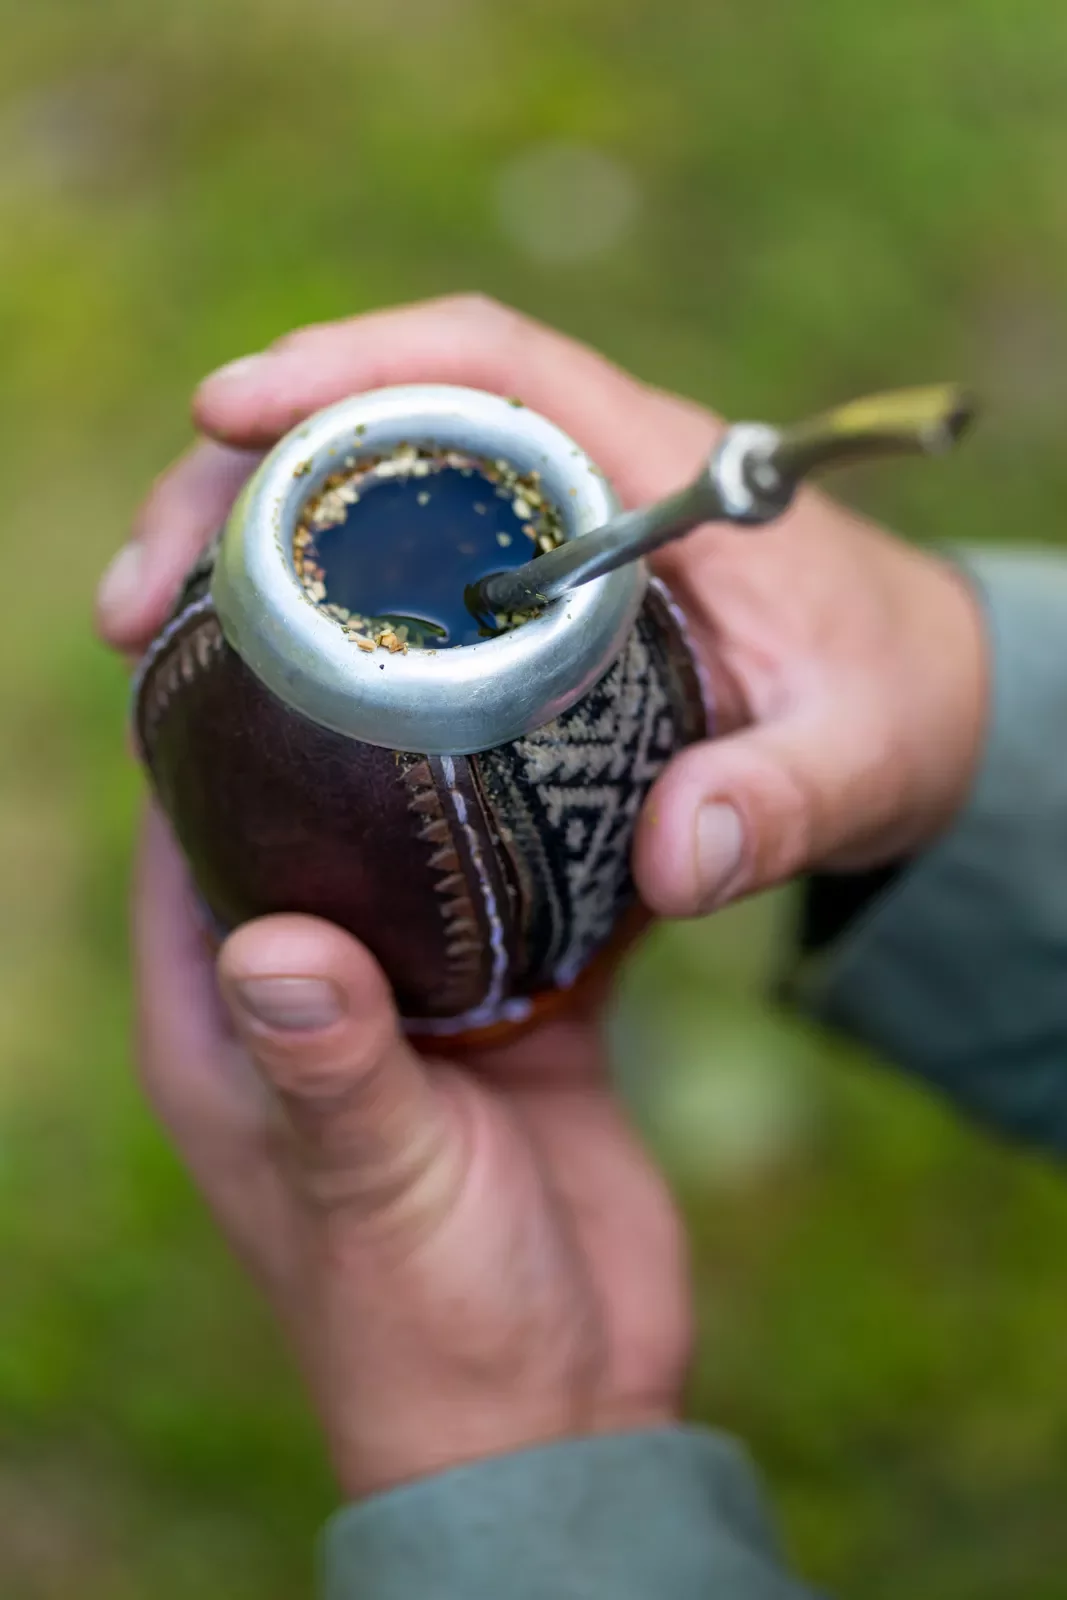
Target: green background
{"x":815,"y":200}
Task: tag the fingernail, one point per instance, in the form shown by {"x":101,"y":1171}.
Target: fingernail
{"x":238,"y":369}
{"x":292,"y":1005}
{"x":120,"y":587}
{"x":720,"y":846}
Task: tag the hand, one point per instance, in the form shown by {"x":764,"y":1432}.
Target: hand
{"x":848,"y":668}
{"x":470,"y":1256}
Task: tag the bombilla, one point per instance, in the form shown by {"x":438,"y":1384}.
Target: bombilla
{"x":750,"y":478}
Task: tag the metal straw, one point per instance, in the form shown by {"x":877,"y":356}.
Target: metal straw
{"x":750,"y":478}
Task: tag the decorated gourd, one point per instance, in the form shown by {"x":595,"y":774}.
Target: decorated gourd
{"x":331,"y":728}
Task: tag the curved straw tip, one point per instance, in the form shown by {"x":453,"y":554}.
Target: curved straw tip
{"x":956,"y":412}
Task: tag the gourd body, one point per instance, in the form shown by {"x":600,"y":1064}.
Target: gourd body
{"x":480,"y":882}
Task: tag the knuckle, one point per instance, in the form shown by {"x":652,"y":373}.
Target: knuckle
{"x":299,"y":338}
{"x":350,"y":1077}
{"x":492,"y":324}
{"x":479,"y":309}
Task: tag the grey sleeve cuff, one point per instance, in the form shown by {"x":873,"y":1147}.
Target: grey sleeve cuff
{"x":673,"y":1514}
{"x":959,"y":972}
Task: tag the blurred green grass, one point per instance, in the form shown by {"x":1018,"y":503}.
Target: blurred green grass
{"x":823,"y":199}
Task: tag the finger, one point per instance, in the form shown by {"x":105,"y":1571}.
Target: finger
{"x":469,"y":340}
{"x":375,"y":1136}
{"x":194,"y":1071}
{"x":185,"y":509}
{"x":739,"y":814}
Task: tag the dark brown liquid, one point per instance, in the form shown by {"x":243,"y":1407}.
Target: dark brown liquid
{"x":412,"y":547}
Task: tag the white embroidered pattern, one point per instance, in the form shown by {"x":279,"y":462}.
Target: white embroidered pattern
{"x":591,"y":774}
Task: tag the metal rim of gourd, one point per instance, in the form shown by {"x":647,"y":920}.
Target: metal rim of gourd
{"x":445,"y":702}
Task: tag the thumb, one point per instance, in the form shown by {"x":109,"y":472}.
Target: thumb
{"x":739,"y":814}
{"x":373,"y":1134}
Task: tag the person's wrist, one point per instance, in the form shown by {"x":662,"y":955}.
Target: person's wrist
{"x":396,"y":1459}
